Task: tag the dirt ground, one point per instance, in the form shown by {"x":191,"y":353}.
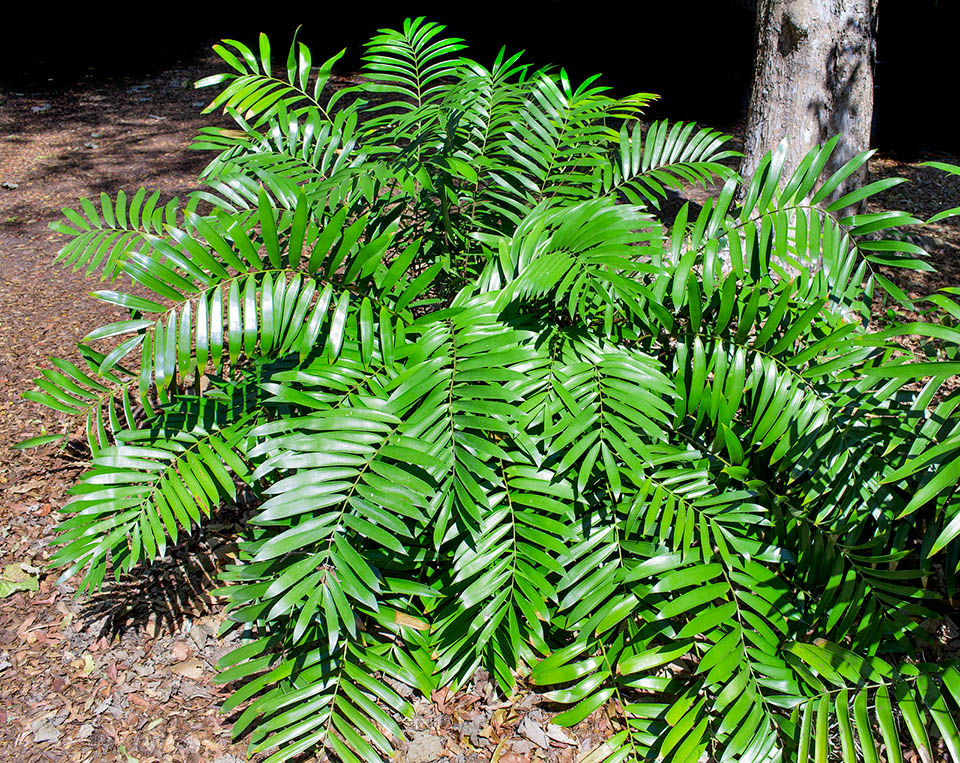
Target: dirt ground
{"x":126,"y":676}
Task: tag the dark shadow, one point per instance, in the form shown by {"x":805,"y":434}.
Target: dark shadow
{"x":671,"y":205}
{"x":845,"y":66}
{"x":180,"y":583}
{"x":169,"y":589}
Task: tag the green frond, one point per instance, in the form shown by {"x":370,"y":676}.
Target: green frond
{"x":104,"y":235}
{"x":662,"y":156}
{"x":952,"y":169}
{"x":153,"y":484}
{"x":298,"y":153}
{"x":412,"y":63}
{"x":252,"y":90}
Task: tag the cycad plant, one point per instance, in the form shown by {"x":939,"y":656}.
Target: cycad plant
{"x":493,"y":411}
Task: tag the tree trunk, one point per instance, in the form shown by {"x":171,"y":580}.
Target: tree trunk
{"x":813,"y":79}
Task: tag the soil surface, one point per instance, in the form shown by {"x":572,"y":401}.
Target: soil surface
{"x":127,"y":675}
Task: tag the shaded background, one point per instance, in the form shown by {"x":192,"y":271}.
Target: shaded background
{"x":697,"y":55}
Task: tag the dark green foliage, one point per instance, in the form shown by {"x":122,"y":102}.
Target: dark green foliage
{"x":495,"y":412}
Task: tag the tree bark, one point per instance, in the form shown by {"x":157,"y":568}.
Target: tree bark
{"x":813,"y":79}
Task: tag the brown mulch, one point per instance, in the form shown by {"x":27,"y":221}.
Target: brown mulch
{"x":126,"y":675}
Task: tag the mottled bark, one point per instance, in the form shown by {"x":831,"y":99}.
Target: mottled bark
{"x":813,"y":79}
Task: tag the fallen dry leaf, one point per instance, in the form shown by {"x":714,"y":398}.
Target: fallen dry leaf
{"x":19,"y":576}
{"x":179,"y":651}
{"x":495,"y":758}
{"x":440,"y":699}
{"x":598,"y":754}
{"x":46,"y":733}
{"x":136,"y":699}
{"x":26,"y":487}
{"x":532,"y":731}
{"x":558,"y":734}
{"x":153,"y":724}
{"x":25,"y":625}
{"x":191,"y":668}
